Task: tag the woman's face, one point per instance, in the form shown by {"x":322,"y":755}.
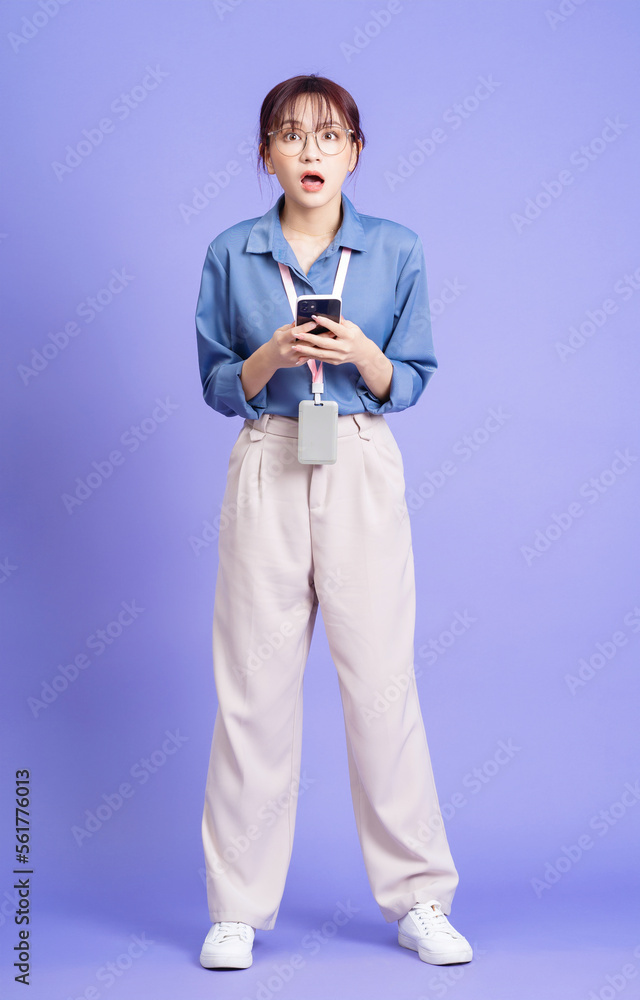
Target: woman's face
{"x":332,"y":167}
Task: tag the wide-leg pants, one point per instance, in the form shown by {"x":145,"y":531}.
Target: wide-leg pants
{"x":292,"y":537}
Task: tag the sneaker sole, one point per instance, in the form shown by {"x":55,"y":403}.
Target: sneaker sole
{"x":464,"y":954}
{"x":225,"y":961}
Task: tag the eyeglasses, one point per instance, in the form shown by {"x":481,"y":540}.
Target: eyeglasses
{"x":330,"y":140}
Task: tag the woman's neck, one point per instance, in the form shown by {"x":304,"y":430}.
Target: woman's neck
{"x":312,"y":223}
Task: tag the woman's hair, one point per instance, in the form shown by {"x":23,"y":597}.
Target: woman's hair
{"x":279,"y":106}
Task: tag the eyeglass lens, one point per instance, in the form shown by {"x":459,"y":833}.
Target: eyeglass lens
{"x":331,"y":139}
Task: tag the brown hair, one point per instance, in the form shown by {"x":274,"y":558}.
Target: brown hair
{"x":279,"y":105}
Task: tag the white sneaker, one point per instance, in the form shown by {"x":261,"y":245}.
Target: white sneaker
{"x":228,"y":946}
{"x":425,"y":929}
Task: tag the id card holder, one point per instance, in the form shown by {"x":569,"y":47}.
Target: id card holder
{"x":317,"y":432}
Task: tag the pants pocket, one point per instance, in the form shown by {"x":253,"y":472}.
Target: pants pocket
{"x":390,"y":456}
{"x":386,"y":444}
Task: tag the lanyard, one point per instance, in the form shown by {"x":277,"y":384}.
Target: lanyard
{"x":317,"y":384}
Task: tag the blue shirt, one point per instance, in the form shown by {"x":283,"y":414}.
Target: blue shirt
{"x":242,"y":301}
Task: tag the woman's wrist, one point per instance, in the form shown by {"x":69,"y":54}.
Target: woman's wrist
{"x":257,"y":370}
{"x":377,"y":371}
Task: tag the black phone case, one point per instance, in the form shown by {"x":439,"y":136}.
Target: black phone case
{"x":305,"y":315}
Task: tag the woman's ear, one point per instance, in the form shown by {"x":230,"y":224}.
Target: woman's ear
{"x":358,"y":143}
{"x":268,"y":163}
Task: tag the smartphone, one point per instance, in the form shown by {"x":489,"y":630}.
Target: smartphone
{"x":322,"y":305}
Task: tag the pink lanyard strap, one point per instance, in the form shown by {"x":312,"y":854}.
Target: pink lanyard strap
{"x":317,"y":384}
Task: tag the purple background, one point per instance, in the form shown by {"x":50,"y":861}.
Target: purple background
{"x":504,"y":294}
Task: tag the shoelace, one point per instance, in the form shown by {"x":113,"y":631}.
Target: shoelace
{"x":232,"y":928}
{"x":431,"y":919}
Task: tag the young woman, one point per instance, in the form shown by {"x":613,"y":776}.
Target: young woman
{"x":300,"y":532}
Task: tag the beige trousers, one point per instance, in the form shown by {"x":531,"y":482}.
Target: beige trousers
{"x":293,"y":536}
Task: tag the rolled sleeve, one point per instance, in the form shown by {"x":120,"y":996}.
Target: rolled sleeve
{"x":410,"y":345}
{"x":220,"y":366}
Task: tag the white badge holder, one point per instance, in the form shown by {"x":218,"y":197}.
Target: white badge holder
{"x":317,"y":432}
{"x":317,"y":418}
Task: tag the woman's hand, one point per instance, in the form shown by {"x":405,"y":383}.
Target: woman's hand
{"x":290,"y":346}
{"x":280,"y":347}
{"x":344,"y":342}
{"x":347,"y":342}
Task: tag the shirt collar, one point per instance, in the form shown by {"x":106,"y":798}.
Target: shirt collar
{"x":266,"y":234}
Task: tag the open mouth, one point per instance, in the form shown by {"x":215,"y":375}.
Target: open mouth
{"x":311,"y":181}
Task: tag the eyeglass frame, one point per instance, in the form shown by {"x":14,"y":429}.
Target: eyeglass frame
{"x":346,"y":131}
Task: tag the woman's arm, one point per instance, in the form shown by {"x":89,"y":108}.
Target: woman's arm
{"x":232,"y":384}
{"x":395,"y":378}
{"x":257,"y":370}
{"x":221,"y":368}
{"x":409,"y":349}
{"x":377,"y":372}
